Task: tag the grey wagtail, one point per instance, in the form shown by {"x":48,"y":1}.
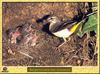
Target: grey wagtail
{"x":64,"y":29}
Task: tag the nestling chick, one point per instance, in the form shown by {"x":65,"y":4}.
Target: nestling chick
{"x":13,"y":35}
{"x":30,"y":38}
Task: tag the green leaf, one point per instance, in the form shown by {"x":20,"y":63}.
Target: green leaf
{"x":90,"y":25}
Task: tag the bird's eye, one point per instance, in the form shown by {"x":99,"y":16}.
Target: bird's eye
{"x":51,"y":18}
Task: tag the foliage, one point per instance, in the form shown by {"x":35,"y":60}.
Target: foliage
{"x":90,"y":25}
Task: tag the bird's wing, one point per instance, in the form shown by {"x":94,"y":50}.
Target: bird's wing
{"x":62,"y":25}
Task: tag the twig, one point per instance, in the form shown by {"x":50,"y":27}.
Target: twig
{"x":92,"y":13}
{"x":25,"y":54}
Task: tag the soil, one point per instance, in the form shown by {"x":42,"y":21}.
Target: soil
{"x":77,"y":51}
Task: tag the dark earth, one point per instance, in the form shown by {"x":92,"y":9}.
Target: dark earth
{"x":41,"y":49}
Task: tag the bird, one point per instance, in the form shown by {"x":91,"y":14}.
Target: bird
{"x":13,"y":35}
{"x":64,"y":29}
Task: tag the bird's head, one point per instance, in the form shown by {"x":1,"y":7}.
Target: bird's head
{"x":53,"y":19}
